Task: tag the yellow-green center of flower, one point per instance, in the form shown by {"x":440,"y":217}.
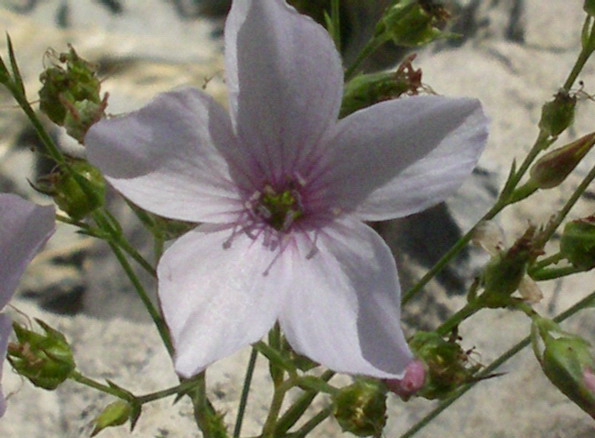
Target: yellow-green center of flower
{"x":279,"y":209}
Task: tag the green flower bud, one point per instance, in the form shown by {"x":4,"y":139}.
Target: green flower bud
{"x":589,"y":7}
{"x":505,"y":271}
{"x":553,"y":168}
{"x":367,"y":89}
{"x":446,"y":363}
{"x":70,"y":196}
{"x":412,"y":23}
{"x":70,"y":95}
{"x":567,"y":362}
{"x":577,"y":244}
{"x":360,"y":408}
{"x":558,"y":114}
{"x":114,"y":414}
{"x":45,"y":359}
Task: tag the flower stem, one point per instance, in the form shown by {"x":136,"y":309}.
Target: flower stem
{"x":312,"y":423}
{"x":78,"y":377}
{"x":269,"y":428}
{"x":453,"y":322}
{"x":583,"y":57}
{"x":582,"y":304}
{"x":245,"y":393}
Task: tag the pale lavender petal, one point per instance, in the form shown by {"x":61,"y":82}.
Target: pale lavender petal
{"x":24,"y":228}
{"x":399,"y":157}
{"x":342,"y":309}
{"x":285,"y":83}
{"x":168,"y":157}
{"x":5,"y":329}
{"x":217,"y":298}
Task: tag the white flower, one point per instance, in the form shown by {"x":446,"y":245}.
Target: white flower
{"x":281,"y":189}
{"x":24,"y":228}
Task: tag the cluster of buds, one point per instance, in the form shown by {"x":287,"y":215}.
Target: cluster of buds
{"x":45,"y":359}
{"x":360,"y":408}
{"x":566,"y":361}
{"x":367,"y":89}
{"x":413,"y":23}
{"x":66,"y":187}
{"x":506,"y":272}
{"x":577,"y":243}
{"x":70,"y":95}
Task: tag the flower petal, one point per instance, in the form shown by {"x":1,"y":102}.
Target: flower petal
{"x":399,"y":157}
{"x":24,"y":228}
{"x":217,"y":298}
{"x":343,"y":308}
{"x":168,"y":156}
{"x":5,"y":329}
{"x":285,"y":83}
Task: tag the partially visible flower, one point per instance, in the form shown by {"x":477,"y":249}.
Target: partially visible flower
{"x":24,"y":228}
{"x":282,"y":188}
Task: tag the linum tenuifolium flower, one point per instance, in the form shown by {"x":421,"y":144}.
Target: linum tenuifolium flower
{"x":281,"y":188}
{"x":24,"y":228}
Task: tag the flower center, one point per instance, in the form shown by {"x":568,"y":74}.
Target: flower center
{"x":279,"y":209}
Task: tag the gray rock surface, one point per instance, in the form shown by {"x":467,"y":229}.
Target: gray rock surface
{"x":513,"y":56}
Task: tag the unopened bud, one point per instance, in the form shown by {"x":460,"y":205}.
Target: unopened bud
{"x":114,"y":414}
{"x":553,"y":168}
{"x":70,"y":95}
{"x":568,"y":363}
{"x":530,"y":291}
{"x":360,"y":408}
{"x":412,"y":381}
{"x":45,"y":359}
{"x":577,"y":244}
{"x":558,"y":114}
{"x":412,"y":23}
{"x":447,"y":366}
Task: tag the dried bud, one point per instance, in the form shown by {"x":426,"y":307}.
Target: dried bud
{"x":367,"y":89}
{"x":114,"y":414}
{"x":447,"y":365}
{"x":70,"y":95}
{"x":360,"y":408}
{"x":45,"y":359}
{"x":577,"y":244}
{"x":553,"y":168}
{"x":558,"y":114}
{"x":412,"y":23}
{"x":412,"y":381}
{"x":568,"y":363}
{"x":504,"y":273}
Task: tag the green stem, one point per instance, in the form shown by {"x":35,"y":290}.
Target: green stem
{"x":78,"y":377}
{"x":312,"y":423}
{"x":550,"y":260}
{"x":553,"y":273}
{"x":454,"y":321}
{"x":299,"y":407}
{"x":582,"y":59}
{"x":245,"y":393}
{"x":370,"y":48}
{"x":269,"y":428}
{"x":336,"y":20}
{"x":202,"y":408}
{"x":140,"y":290}
{"x":582,"y":304}
{"x":552,"y":226}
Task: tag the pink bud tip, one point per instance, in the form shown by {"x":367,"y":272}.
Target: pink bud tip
{"x":589,"y":379}
{"x":412,"y":381}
